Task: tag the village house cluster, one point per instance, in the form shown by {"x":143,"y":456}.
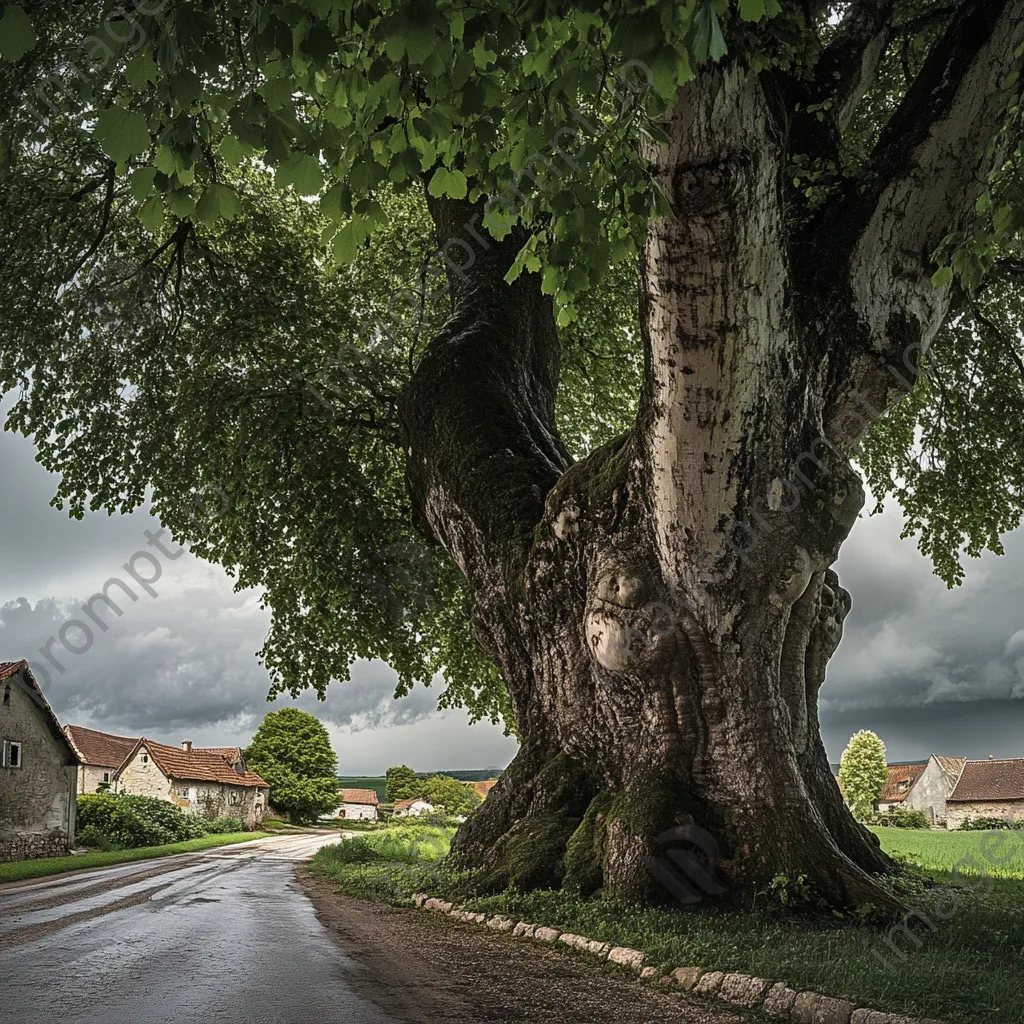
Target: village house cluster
{"x":45,"y":766}
{"x":365,"y":805}
{"x":949,"y":790}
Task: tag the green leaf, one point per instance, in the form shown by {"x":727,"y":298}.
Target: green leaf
{"x":17,"y":36}
{"x":122,"y":133}
{"x":752,"y":10}
{"x":142,"y":182}
{"x":448,"y":183}
{"x":218,"y":202}
{"x":346,"y":241}
{"x":233,"y":150}
{"x":942,"y":277}
{"x":180,"y":203}
{"x":717,"y":49}
{"x":302,"y":172}
{"x":152,"y":214}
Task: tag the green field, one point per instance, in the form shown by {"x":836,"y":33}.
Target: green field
{"x":43,"y":866}
{"x":999,"y":854}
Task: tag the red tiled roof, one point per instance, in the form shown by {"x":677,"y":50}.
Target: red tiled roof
{"x":359,"y":796}
{"x":401,"y":805}
{"x":100,"y":748}
{"x":900,"y":782}
{"x":991,"y":780}
{"x":12,"y":668}
{"x":483,"y":788}
{"x":195,"y":765}
{"x":233,"y":754}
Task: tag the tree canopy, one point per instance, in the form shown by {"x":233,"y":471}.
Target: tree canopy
{"x":450,"y":795}
{"x":292,"y":751}
{"x":863,"y":771}
{"x":218,"y":271}
{"x":401,"y":783}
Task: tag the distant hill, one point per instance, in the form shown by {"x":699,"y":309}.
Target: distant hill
{"x":376,"y":782}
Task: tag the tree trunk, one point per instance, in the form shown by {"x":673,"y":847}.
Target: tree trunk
{"x":663,"y":611}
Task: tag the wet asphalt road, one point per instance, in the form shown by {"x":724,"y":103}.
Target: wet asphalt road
{"x":224,"y":936}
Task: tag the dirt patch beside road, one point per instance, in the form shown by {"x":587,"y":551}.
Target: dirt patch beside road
{"x":425,"y":967}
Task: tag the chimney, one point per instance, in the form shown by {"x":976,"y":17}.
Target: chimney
{"x":186,"y":745}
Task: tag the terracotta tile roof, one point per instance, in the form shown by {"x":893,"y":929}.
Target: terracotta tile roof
{"x":900,"y":781}
{"x":100,"y":748}
{"x":12,"y":668}
{"x":483,"y":788}
{"x":233,"y":754}
{"x":360,"y":796}
{"x":195,"y":765}
{"x":991,"y":780}
{"x":402,"y":805}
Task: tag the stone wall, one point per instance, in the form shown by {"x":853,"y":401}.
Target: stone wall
{"x":90,"y":776}
{"x":1006,"y":809}
{"x":38,"y":796}
{"x":31,"y":845}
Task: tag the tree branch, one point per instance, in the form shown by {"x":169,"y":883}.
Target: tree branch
{"x":929,"y":168}
{"x":848,"y":65}
{"x":478,"y":415}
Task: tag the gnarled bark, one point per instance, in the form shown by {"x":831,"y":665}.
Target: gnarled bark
{"x":663,"y":611}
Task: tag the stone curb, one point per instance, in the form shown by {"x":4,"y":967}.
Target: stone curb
{"x":773,"y":997}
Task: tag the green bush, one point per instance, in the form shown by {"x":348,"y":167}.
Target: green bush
{"x":987,"y":824}
{"x":125,"y":822}
{"x":900,"y":817}
{"x":223,"y":826}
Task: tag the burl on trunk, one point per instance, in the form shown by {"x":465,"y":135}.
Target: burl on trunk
{"x":663,"y":611}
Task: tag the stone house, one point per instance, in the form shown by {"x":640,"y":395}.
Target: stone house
{"x":988,"y":789}
{"x":100,"y":754}
{"x":212,"y":782}
{"x":931,"y":791}
{"x":898,"y":785}
{"x":358,"y":805}
{"x":412,"y":808}
{"x":38,"y":771}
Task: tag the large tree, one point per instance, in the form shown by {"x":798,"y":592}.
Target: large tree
{"x":292,"y":751}
{"x":471,"y":450}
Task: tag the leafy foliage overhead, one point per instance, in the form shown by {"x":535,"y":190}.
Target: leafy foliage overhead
{"x":217,"y":272}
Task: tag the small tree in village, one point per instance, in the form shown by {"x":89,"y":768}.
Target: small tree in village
{"x":401,"y":783}
{"x":293,"y":752}
{"x":450,"y":795}
{"x":862,"y":772}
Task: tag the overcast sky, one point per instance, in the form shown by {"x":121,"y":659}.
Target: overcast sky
{"x":929,"y":669}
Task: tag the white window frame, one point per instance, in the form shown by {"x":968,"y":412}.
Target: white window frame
{"x":9,"y":746}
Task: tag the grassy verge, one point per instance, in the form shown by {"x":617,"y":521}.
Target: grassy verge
{"x":956,"y":968}
{"x":23,"y":869}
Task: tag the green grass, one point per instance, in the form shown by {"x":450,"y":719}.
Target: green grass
{"x":962,"y":971}
{"x":20,"y":870}
{"x":1000,"y":854}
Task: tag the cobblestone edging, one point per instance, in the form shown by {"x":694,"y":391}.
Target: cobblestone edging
{"x":773,"y":997}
